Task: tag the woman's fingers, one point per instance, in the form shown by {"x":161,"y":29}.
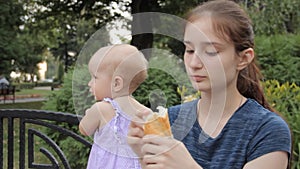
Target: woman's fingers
{"x":139,"y":119}
{"x":154,"y":144}
{"x":152,"y":161}
{"x":136,"y":132}
{"x":136,"y":125}
{"x":165,"y":152}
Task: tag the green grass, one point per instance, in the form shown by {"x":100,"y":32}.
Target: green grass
{"x":29,"y":105}
{"x":24,"y":93}
{"x":41,"y":93}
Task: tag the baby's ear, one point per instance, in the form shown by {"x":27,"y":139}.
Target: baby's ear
{"x":245,"y":58}
{"x":118,"y":83}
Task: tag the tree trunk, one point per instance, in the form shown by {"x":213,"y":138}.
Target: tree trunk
{"x":141,"y":28}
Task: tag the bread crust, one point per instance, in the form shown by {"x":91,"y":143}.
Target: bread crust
{"x":158,"y":124}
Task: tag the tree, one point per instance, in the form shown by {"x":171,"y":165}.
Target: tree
{"x":275,"y":17}
{"x":10,"y":20}
{"x":144,"y":24}
{"x":31,"y":54}
{"x":63,"y":19}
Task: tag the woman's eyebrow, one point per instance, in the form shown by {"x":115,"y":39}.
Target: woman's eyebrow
{"x":203,"y":42}
{"x":206,"y":43}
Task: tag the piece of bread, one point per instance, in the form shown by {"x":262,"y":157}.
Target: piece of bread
{"x":158,"y":123}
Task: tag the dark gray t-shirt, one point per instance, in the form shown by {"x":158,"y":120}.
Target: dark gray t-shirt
{"x":251,"y":132}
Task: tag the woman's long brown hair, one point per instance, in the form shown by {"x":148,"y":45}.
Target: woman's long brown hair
{"x":231,"y":23}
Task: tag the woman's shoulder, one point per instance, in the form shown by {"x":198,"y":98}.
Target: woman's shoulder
{"x":269,"y":133}
{"x":262,"y":120}
{"x":183,"y":110}
{"x":253,"y":110}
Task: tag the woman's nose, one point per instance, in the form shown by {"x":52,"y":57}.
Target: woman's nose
{"x":195,"y":61}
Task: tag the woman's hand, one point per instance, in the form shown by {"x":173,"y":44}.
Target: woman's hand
{"x":165,"y":153}
{"x":136,"y":132}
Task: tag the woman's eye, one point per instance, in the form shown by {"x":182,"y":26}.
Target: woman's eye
{"x":189,"y":51}
{"x":212,"y":53}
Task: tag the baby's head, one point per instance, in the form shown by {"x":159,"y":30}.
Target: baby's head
{"x":123,"y":66}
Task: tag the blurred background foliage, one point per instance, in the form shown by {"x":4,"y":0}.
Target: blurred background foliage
{"x":55,"y":31}
{"x":36,"y":30}
{"x":285,"y":98}
{"x":279,"y":57}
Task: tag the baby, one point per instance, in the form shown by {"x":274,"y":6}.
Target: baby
{"x":116,"y":72}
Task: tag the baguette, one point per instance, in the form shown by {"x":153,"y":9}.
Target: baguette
{"x":158,"y":123}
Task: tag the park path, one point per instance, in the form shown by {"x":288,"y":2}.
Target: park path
{"x":28,"y":99}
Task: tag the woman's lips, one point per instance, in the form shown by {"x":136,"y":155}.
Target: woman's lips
{"x":197,"y":78}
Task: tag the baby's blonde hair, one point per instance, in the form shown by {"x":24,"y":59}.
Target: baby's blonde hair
{"x":125,"y":61}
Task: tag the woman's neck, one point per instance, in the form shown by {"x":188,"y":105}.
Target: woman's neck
{"x":215,"y":109}
{"x":221,"y":102}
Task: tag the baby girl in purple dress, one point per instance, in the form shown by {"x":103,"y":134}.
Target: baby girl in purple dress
{"x":116,"y":72}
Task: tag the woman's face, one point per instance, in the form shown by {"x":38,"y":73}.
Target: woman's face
{"x":210,"y":61}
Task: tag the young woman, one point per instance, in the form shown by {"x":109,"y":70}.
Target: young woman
{"x":231,"y":126}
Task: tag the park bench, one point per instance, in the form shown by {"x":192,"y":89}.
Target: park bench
{"x":7,"y":92}
{"x":21,"y":135}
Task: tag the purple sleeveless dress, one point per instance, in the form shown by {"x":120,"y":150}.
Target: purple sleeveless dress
{"x":110,"y":149}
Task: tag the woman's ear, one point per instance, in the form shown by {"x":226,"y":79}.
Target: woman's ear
{"x":117,"y":83}
{"x":245,"y":58}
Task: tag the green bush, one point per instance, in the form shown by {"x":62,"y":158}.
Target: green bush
{"x":74,"y":90}
{"x":41,"y":84}
{"x":166,"y":73}
{"x":285,"y":98}
{"x":279,"y":57}
{"x":20,"y":86}
{"x":158,"y":90}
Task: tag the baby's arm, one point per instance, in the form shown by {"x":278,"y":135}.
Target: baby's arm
{"x":91,"y":121}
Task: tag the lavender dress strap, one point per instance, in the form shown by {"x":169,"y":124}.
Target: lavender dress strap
{"x":110,"y":149}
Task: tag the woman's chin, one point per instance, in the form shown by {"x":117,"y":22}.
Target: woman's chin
{"x":201,"y":87}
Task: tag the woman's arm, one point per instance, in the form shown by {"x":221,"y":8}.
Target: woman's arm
{"x":274,"y":160}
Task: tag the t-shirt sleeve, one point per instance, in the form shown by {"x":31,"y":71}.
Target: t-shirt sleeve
{"x":272,"y":135}
{"x":172,"y":113}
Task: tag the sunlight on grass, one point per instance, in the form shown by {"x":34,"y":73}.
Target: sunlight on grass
{"x":42,"y":93}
